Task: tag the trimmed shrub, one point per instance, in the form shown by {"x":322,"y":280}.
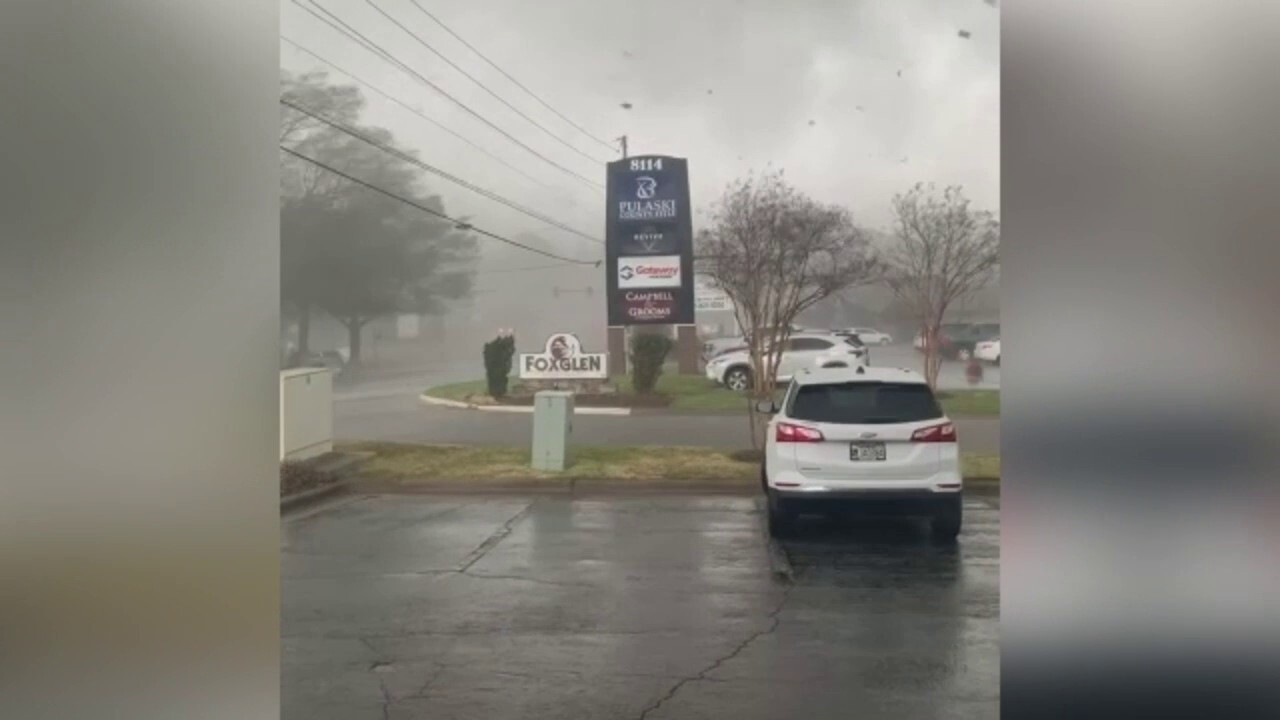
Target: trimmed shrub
{"x":497,"y":363}
{"x":648,"y":354}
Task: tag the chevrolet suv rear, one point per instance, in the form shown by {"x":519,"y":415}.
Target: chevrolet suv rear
{"x":863,"y":439}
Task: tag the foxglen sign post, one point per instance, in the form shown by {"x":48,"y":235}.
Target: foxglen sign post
{"x":649,"y":254}
{"x":563,"y":359}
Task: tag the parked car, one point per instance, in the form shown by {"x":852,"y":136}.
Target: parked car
{"x":869,"y":336}
{"x":988,"y":350}
{"x":947,"y":330}
{"x":335,"y":360}
{"x":718,"y":346}
{"x":810,"y":350}
{"x":963,"y":345}
{"x":861,"y":439}
{"x":958,"y":340}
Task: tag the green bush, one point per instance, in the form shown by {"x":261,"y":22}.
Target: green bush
{"x":648,"y":354}
{"x":497,"y":363}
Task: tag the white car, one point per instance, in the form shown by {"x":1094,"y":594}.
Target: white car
{"x":870,"y":336}
{"x":717,"y":346}
{"x":811,"y":350}
{"x":861,"y":439}
{"x":988,"y":350}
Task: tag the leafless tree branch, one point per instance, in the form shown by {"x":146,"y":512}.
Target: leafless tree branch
{"x":943,"y":251}
{"x":776,"y":252}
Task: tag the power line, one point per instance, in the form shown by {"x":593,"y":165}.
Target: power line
{"x":359,"y":38}
{"x":413,"y":110}
{"x":523,"y":269}
{"x":514,"y":81}
{"x":386,"y":55}
{"x":473,"y":79}
{"x":459,"y":224}
{"x":436,"y":171}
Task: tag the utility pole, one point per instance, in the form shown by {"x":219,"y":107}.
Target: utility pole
{"x":623,"y":141}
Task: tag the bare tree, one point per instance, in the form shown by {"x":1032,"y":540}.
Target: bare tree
{"x":776,"y":252}
{"x":942,"y":251}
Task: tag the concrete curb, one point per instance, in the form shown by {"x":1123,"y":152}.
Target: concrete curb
{"x":342,"y":466}
{"x":518,"y":409}
{"x":533,"y":487}
{"x":288,"y":502}
{"x":982,"y":486}
{"x":621,"y":412}
{"x":557,"y":487}
{"x":588,"y":486}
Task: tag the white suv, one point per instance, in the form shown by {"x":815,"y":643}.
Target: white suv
{"x":802,"y":352}
{"x":869,"y":439}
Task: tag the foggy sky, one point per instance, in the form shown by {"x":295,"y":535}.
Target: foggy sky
{"x":772,"y":66}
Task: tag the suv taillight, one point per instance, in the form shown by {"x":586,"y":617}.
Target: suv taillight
{"x":944,"y":433}
{"x":786,"y":432}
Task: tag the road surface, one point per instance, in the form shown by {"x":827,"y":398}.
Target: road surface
{"x":623,"y":607}
{"x":390,"y":410}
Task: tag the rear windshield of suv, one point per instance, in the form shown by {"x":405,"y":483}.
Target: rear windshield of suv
{"x":864,"y":403}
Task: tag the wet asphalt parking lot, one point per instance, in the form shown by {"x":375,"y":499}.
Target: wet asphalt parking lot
{"x":672,"y":606}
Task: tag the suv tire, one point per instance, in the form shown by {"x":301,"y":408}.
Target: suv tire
{"x":781,"y":520}
{"x":946,"y":522}
{"x":738,"y":378}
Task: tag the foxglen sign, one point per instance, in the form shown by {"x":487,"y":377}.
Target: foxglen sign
{"x":563,"y":359}
{"x":648,"y":242}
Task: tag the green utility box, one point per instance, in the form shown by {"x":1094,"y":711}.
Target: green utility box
{"x":552,"y":426}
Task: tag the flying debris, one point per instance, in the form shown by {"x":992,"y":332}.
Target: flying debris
{"x":708,"y":92}
{"x":860,"y":108}
{"x":812,"y":123}
{"x":964,"y":34}
{"x":625,"y":106}
{"x":899,"y":73}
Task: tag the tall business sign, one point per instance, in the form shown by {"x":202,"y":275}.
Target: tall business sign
{"x":649,"y":242}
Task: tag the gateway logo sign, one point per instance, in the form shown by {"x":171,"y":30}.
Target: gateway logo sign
{"x":659,"y":271}
{"x":563,"y":359}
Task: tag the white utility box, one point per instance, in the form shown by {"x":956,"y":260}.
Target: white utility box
{"x":306,"y":413}
{"x":552,"y":427}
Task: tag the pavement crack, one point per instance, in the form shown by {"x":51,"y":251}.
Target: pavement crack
{"x":774,"y":620}
{"x":366,"y":642}
{"x":387,"y":700}
{"x":492,"y":541}
{"x":426,"y":686}
{"x":522,"y":578}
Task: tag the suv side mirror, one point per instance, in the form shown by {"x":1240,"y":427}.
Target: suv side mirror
{"x":766,"y":407}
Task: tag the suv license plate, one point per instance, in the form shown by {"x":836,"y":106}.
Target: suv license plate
{"x":866,"y":451}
